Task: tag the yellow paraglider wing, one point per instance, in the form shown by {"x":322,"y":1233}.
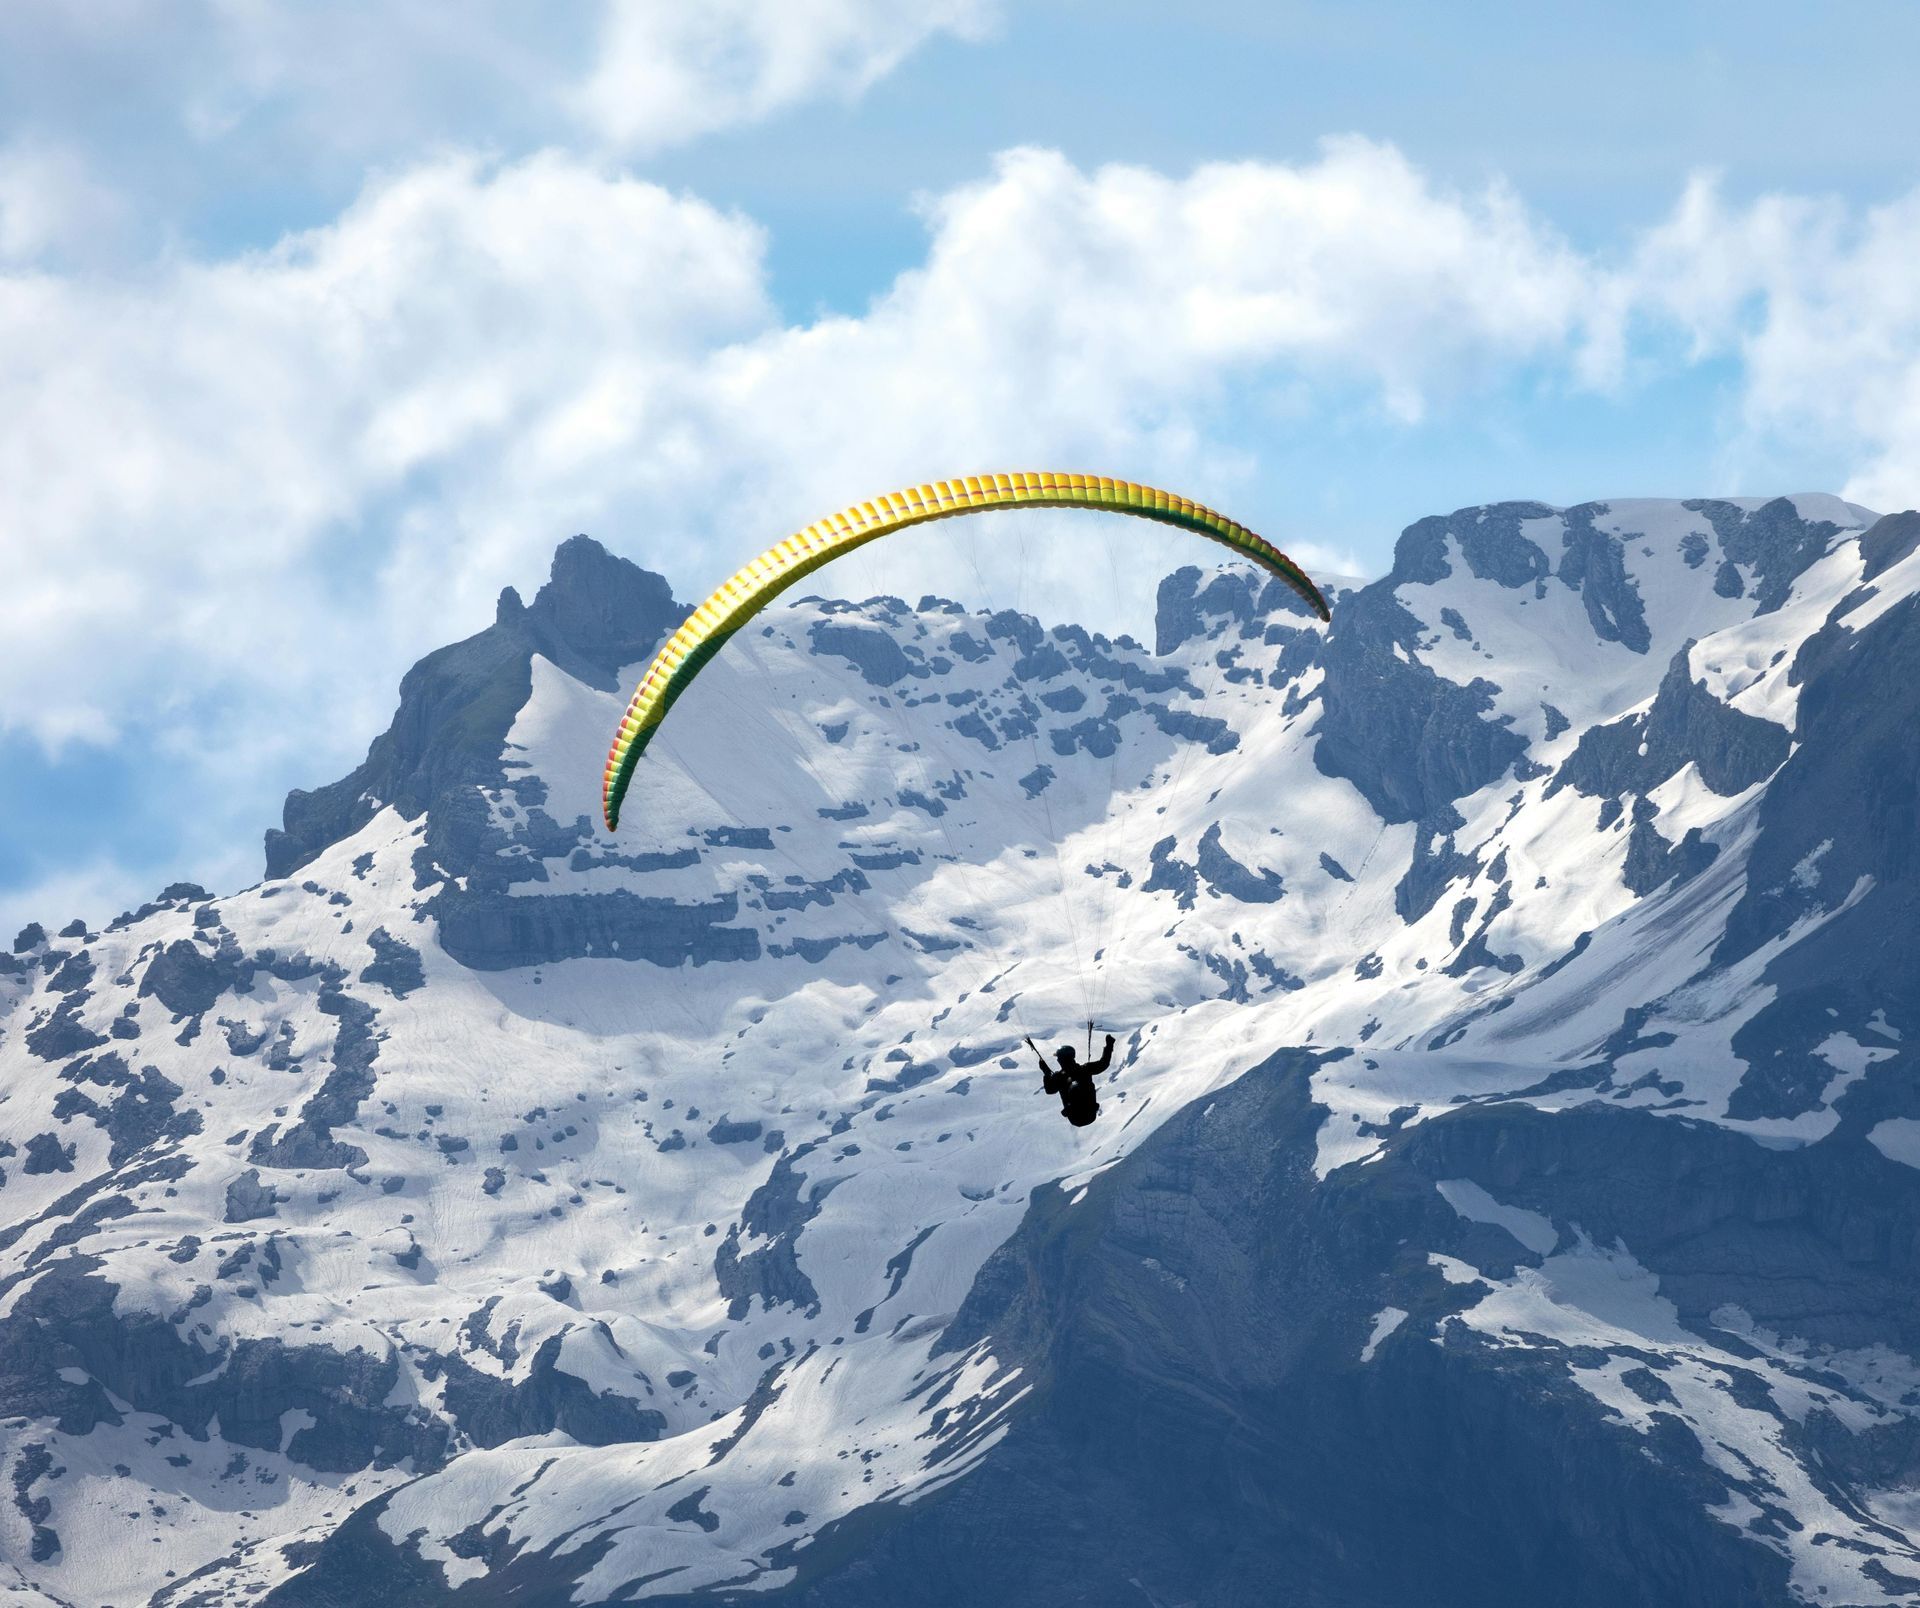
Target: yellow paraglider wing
{"x":752,"y":588}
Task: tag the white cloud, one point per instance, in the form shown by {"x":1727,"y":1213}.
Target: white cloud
{"x":201,"y":469}
{"x":190,"y":106}
{"x":95,"y":891}
{"x":1821,"y":305}
{"x":265,"y":484}
{"x":52,"y":207}
{"x":239,"y":497}
{"x":1109,"y":318}
{"x":669,"y":72}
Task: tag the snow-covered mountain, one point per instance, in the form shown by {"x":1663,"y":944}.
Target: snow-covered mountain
{"x":1506,"y":1191}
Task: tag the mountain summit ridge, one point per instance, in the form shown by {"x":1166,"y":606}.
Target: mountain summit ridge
{"x":594,"y":615}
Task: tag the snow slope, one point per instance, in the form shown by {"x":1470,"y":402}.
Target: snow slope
{"x":593,"y":1213}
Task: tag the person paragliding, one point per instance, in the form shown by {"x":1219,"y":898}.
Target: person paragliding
{"x":1073,"y":1079}
{"x":741,"y":598}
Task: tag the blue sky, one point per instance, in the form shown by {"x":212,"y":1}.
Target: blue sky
{"x":326,"y":323}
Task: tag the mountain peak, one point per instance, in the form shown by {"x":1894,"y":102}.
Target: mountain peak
{"x":596,"y":615}
{"x":599,"y":613}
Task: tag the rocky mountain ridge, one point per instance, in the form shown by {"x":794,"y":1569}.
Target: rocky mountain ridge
{"x":1506,"y":1188}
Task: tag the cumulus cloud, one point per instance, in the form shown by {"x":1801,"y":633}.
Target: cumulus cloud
{"x":669,"y":72}
{"x":251,"y":477}
{"x":203,"y":469}
{"x":239,"y":496}
{"x":190,"y":103}
{"x":52,"y":209}
{"x":1351,"y":268}
{"x":1821,"y":306}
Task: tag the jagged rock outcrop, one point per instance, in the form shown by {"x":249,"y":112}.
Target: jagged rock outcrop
{"x":1220,"y":1418}
{"x":596,"y":615}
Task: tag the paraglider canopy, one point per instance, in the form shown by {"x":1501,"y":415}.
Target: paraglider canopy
{"x":750,"y":589}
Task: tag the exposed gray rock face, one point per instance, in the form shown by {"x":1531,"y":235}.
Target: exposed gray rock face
{"x":141,"y":1109}
{"x":1208,"y":730}
{"x":1773,"y":544}
{"x":34,"y":1462}
{"x":184,"y":979}
{"x":66,"y":1325}
{"x":1842,"y":820}
{"x":1435,"y":866}
{"x":1218,"y":1419}
{"x":1686,"y":723}
{"x":1172,"y":874}
{"x":248,"y":1198}
{"x":46,"y":1154}
{"x":1888,"y":541}
{"x":498,"y":931}
{"x":774,"y":1214}
{"x":1192,"y":604}
{"x":1477,"y":951}
{"x":309,"y":1142}
{"x":875,"y":654}
{"x":490,"y":1410}
{"x":1593,"y":562}
{"x":1410,"y":741}
{"x":396,"y":967}
{"x":63,"y":1033}
{"x":596,"y":615}
{"x":73,"y":974}
{"x":1212,"y":868}
{"x":1230,"y":879}
{"x":1652,"y":861}
{"x":1494,"y":546}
